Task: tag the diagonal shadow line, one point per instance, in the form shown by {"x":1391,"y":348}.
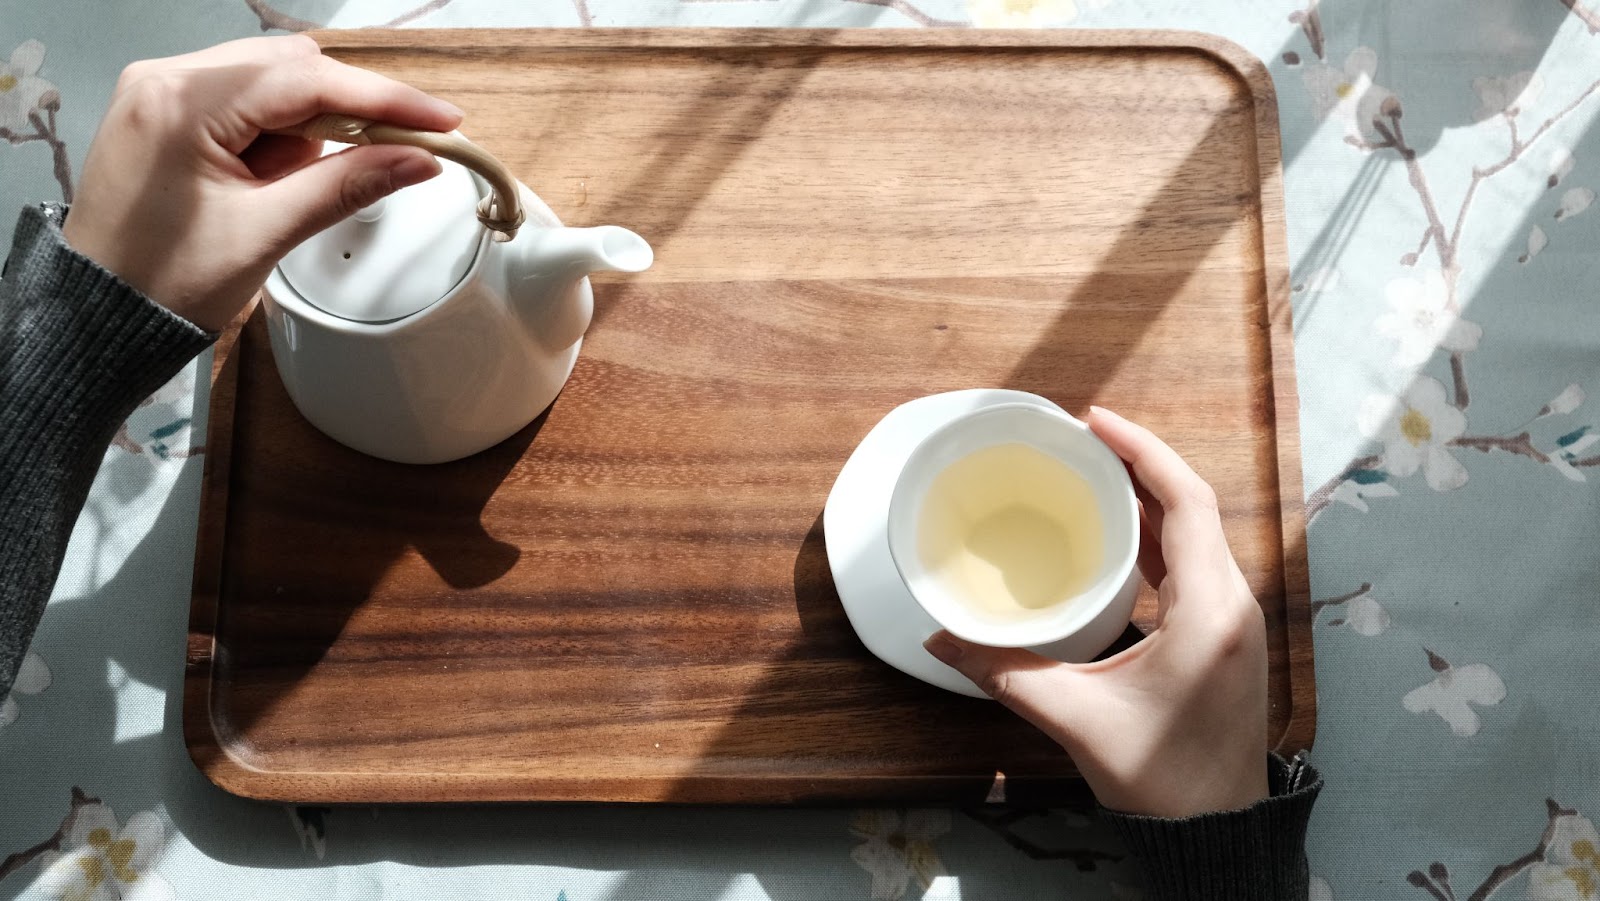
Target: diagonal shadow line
{"x":1129,"y":260}
{"x":1336,"y":233}
{"x":713,"y":128}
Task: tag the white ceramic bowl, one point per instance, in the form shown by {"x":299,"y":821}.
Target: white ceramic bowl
{"x":1097,"y":614}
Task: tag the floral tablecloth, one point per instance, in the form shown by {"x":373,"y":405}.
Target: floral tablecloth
{"x":1440,"y":180}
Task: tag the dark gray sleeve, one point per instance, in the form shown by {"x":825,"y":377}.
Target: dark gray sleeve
{"x":79,"y":349}
{"x":1254,"y":854}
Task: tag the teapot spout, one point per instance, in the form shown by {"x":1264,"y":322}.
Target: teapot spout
{"x":547,"y":288}
{"x":580,"y":251}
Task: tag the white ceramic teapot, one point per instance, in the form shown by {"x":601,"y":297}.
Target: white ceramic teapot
{"x":437,"y":322}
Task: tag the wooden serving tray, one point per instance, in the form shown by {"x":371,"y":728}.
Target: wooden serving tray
{"x":630,"y":600}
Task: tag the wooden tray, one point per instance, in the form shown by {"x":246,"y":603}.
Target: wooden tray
{"x":630,"y":600}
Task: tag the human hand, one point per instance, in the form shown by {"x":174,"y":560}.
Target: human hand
{"x":186,"y":199}
{"x":1175,"y":725}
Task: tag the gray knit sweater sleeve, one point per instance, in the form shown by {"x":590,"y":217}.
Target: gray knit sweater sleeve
{"x":1254,"y":854}
{"x":79,"y":349}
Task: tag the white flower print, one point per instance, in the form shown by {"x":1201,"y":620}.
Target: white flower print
{"x":1560,"y":165}
{"x":896,"y":848}
{"x":1025,"y":13}
{"x":1416,"y":429}
{"x":33,"y":677}
{"x":1570,"y":870}
{"x":1453,"y":692}
{"x":1420,"y":320}
{"x":1537,"y":241}
{"x":22,"y":90}
{"x":1509,"y":94}
{"x":1569,"y":400}
{"x":1319,"y":890}
{"x":1575,"y":202}
{"x":1568,"y":448}
{"x":1348,"y":94}
{"x":102,"y":861}
{"x":1355,"y":494}
{"x":1366,"y":616}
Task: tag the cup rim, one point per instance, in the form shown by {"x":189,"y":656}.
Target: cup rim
{"x":1067,"y":619}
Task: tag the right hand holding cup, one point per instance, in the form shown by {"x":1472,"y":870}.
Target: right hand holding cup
{"x":1175,"y":725}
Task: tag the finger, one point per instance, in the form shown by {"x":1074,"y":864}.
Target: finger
{"x":276,"y":48}
{"x":228,"y":56}
{"x":1035,"y":688}
{"x":328,"y":190}
{"x":1147,"y":502}
{"x":272,"y":156}
{"x":1151,"y":562}
{"x":1191,"y":529}
{"x":289,"y":94}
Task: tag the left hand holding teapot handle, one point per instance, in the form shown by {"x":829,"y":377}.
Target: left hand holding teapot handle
{"x":189,"y":196}
{"x":501,"y":212}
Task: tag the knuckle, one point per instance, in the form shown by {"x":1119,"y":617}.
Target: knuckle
{"x":310,"y":75}
{"x":1202,"y":496}
{"x":358,"y":190}
{"x":132,"y":73}
{"x":153,"y":100}
{"x":1240,"y":633}
{"x":300,"y":45}
{"x":999,"y":684}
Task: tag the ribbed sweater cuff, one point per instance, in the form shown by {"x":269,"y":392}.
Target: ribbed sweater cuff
{"x":1254,"y":854}
{"x":88,"y":347}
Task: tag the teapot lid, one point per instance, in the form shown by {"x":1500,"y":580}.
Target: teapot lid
{"x":395,"y":257}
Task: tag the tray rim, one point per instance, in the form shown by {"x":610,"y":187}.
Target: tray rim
{"x":203,"y":737}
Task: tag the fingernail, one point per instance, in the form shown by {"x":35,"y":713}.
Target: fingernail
{"x":1102,"y":411}
{"x":451,"y":108}
{"x":413,"y":169}
{"x":943,"y":649}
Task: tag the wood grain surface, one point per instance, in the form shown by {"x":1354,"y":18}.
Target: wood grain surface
{"x":630,"y":600}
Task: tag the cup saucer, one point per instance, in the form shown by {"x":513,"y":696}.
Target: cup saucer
{"x":881,"y":609}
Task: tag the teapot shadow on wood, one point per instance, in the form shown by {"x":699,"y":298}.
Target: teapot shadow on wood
{"x":441,"y":320}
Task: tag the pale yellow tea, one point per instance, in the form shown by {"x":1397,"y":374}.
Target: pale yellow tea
{"x":1011,"y":530}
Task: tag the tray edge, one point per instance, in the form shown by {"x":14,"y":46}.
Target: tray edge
{"x":201,"y":738}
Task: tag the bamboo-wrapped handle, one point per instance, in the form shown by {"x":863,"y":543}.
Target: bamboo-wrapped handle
{"x":501,"y":211}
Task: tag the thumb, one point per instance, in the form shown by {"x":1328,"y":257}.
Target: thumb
{"x":332,"y":188}
{"x":1038,"y":689}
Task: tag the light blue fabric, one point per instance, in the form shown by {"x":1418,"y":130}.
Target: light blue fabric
{"x":1458,"y":692}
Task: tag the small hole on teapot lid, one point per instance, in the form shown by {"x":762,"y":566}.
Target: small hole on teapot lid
{"x":347,"y":254}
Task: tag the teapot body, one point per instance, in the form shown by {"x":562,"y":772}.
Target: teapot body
{"x":448,"y":381}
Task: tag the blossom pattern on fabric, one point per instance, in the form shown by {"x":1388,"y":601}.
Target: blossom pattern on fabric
{"x":101,"y":860}
{"x":1420,"y":320}
{"x":898,"y":847}
{"x":1570,"y":870}
{"x":1366,"y":616}
{"x":1416,"y":429}
{"x":1027,"y":13}
{"x":1348,"y":94}
{"x":1453,"y":693}
{"x":1364,"y":486}
{"x":22,"y":91}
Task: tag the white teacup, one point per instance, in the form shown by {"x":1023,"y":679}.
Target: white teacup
{"x":1093,"y":608}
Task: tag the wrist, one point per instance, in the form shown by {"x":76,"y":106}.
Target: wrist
{"x":1174,"y":790}
{"x":80,"y":235}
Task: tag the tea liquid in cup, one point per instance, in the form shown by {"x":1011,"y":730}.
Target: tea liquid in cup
{"x":1015,"y":526}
